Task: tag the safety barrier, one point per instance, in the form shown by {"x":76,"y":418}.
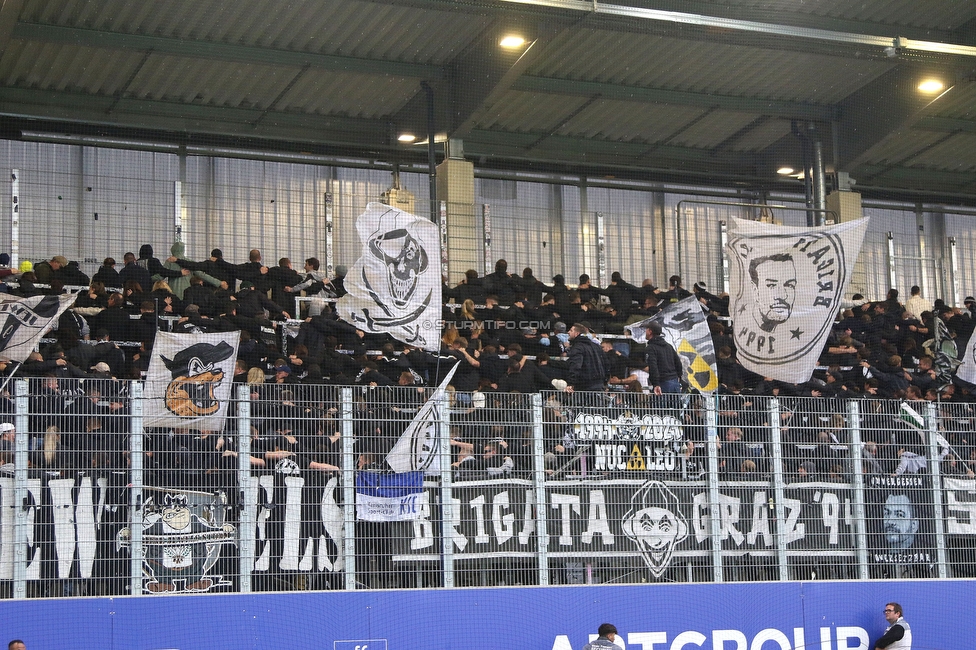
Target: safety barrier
{"x":295,"y":493}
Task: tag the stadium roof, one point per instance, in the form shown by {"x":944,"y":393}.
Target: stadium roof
{"x":700,"y":90}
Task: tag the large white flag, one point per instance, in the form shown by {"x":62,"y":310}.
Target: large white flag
{"x":417,"y":448}
{"x":684,"y":326}
{"x":395,"y":285}
{"x":24,"y":320}
{"x":190,"y":379}
{"x":967,"y":367}
{"x":787,"y":284}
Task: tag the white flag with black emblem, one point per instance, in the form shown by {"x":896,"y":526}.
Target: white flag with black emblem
{"x":395,"y":285}
{"x":23,"y":321}
{"x":190,"y":379}
{"x":967,"y":369}
{"x":786,"y":286}
{"x":418,"y":447}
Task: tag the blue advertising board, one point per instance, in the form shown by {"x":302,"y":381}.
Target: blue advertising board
{"x":740,"y":616}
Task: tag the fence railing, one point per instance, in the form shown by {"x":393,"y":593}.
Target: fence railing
{"x":520,"y":489}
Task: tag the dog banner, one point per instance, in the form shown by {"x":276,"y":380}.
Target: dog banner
{"x":190,"y":379}
{"x":395,"y":285}
{"x":786,"y":286}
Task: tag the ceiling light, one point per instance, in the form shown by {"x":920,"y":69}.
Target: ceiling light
{"x":512,"y":41}
{"x":785,"y":171}
{"x":931,"y":86}
{"x":406,"y":137}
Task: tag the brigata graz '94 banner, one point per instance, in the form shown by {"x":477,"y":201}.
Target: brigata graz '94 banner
{"x":786,"y":286}
{"x":627,"y":521}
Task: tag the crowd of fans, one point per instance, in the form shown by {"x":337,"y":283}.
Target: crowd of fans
{"x":507,"y":335}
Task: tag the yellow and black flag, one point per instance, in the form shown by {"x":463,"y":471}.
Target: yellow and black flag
{"x":685,"y":328}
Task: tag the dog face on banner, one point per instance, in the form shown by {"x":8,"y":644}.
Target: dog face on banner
{"x":398,"y":261}
{"x":191,"y":393}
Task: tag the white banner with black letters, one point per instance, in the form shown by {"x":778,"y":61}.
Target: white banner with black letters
{"x":395,"y":285}
{"x":786,"y":287}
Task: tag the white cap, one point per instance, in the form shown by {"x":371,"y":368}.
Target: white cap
{"x":559,"y":384}
{"x":5,"y":427}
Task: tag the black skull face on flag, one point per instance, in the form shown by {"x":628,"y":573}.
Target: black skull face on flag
{"x":393,"y":287}
{"x":403,"y":258}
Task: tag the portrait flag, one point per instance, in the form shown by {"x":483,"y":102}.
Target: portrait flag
{"x":786,"y":286}
{"x":417,"y":448}
{"x":23,"y":321}
{"x":684,"y":326}
{"x":190,"y":379}
{"x":395,"y":285}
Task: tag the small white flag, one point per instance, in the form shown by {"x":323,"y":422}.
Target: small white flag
{"x":395,"y":285}
{"x":23,"y":321}
{"x":418,"y":448}
{"x":786,"y":287}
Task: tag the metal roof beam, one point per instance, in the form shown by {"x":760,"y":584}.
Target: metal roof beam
{"x":9,"y":12}
{"x":221,"y":51}
{"x":588,"y":151}
{"x":196,"y":118}
{"x":772,"y":108}
{"x":767,"y":29}
{"x":948,"y":124}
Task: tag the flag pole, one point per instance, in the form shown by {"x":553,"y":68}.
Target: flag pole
{"x":10,"y":376}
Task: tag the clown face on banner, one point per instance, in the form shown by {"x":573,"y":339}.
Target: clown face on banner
{"x":393,"y":287}
{"x":655,"y":524}
{"x":786,"y":287}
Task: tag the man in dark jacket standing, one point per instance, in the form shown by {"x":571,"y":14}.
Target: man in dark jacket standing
{"x":587,"y":365}
{"x":663,"y":363}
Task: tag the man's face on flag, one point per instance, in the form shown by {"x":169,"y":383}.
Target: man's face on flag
{"x":775,"y":286}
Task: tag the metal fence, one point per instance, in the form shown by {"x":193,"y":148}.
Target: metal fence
{"x":520,"y":489}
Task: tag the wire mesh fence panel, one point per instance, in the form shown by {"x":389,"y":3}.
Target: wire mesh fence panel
{"x":297,"y":489}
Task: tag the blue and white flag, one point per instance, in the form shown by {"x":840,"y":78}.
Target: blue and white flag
{"x":395,"y":285}
{"x":190,"y":379}
{"x":389,"y":497}
{"x":786,"y":286}
{"x":418,"y":448}
{"x":683,"y":325}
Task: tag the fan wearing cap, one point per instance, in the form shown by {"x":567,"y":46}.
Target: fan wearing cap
{"x":7,"y":435}
{"x":48,"y":272}
{"x":608,"y":633}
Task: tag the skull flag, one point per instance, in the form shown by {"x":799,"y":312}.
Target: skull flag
{"x":395,"y":285}
{"x":189,"y":380}
{"x":786,"y":287}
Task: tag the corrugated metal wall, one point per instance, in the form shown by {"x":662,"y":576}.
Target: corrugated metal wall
{"x":88,"y":203}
